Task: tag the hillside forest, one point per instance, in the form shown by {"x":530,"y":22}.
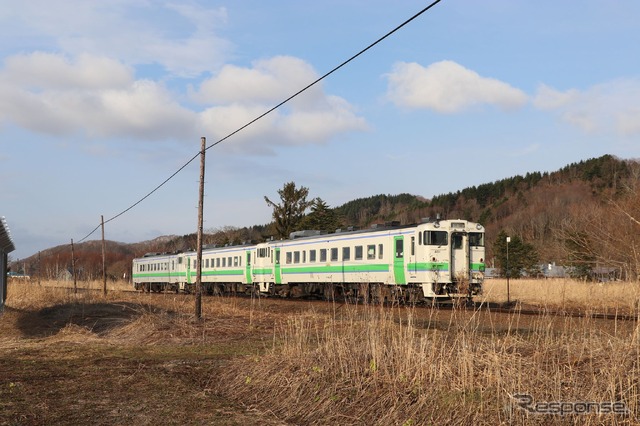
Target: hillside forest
{"x":585,"y":216}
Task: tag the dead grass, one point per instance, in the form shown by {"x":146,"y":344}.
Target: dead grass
{"x":132,"y":358}
{"x":561,"y":293}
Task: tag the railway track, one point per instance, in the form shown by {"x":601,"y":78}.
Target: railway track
{"x":493,"y":307}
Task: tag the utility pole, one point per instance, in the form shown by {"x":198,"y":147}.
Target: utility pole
{"x":203,"y":142}
{"x":104,"y":261}
{"x":508,"y":298}
{"x":73,"y":269}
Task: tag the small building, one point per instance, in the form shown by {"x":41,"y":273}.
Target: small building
{"x":6,"y":247}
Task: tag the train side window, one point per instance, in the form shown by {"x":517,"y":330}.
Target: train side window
{"x":277,"y":257}
{"x":229,"y":261}
{"x":288,"y":258}
{"x":413,"y":246}
{"x":346,"y":253}
{"x":419,"y":238}
{"x":323,"y":255}
{"x":239,"y":260}
{"x":235,"y":260}
{"x":206,"y":263}
{"x":217,"y":262}
{"x":357,"y":255}
{"x":224,"y":262}
{"x":304,"y":256}
{"x":179,"y":261}
{"x":380,"y":251}
{"x":371,"y":251}
{"x":296,"y":257}
{"x":334,"y":254}
{"x":312,"y":256}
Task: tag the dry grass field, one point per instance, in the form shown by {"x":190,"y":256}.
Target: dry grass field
{"x":131,"y":358}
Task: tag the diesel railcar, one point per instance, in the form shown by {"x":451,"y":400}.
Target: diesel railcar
{"x":437,"y":259}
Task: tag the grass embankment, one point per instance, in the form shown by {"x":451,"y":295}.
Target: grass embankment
{"x":129,"y":358}
{"x":139,"y":358}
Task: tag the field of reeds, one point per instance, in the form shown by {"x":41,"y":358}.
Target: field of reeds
{"x":69,"y":358}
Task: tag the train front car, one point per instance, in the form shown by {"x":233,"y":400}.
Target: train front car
{"x":449,"y":259}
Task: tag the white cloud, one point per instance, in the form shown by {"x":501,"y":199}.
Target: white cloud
{"x":180,"y":38}
{"x":607,"y":107}
{"x":448,"y":87}
{"x":93,"y":95}
{"x":238,"y":95}
{"x":98,"y":97}
{"x":42,"y":70}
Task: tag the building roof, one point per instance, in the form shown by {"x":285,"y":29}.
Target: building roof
{"x":6,"y":244}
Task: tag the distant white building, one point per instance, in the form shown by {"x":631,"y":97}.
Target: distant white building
{"x":6,"y":247}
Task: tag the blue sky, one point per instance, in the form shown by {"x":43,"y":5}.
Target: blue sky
{"x":102,"y":101}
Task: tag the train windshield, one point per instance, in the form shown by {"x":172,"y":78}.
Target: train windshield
{"x":435,"y":238}
{"x":476,"y":239}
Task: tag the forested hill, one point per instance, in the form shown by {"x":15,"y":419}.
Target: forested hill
{"x":538,"y":207}
{"x":584,"y":213}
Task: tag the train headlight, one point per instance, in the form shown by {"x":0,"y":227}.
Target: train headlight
{"x":436,"y":225}
{"x":478,"y":226}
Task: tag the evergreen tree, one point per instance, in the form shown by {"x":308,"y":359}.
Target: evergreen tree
{"x":523,"y":257}
{"x":291,"y":209}
{"x":321,"y":217}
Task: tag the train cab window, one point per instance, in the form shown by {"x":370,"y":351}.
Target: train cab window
{"x":334,"y":254}
{"x":476,"y":239}
{"x":312,"y":256}
{"x":179,"y":261}
{"x":357,"y":255}
{"x":456,"y":241}
{"x":296,"y":257}
{"x":346,"y":253}
{"x":323,"y":255}
{"x":371,"y":251}
{"x":380,"y":247}
{"x":435,"y":238}
{"x":288,"y":258}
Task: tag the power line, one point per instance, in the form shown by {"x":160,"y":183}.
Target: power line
{"x":268,"y":112}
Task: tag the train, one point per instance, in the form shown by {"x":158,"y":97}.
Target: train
{"x":433,"y":260}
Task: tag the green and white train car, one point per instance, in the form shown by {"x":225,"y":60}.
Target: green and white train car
{"x":432,"y":260}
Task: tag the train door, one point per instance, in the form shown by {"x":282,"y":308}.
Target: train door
{"x":276,"y":266}
{"x":459,"y":256}
{"x":188,"y":259}
{"x":247,"y":266}
{"x":398,"y":260}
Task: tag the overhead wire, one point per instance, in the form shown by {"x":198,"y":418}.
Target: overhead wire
{"x":269,"y":111}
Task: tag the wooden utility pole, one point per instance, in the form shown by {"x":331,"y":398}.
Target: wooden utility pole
{"x":104,"y":260}
{"x":73,"y":268}
{"x":203,"y":142}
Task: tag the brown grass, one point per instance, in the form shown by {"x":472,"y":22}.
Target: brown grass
{"x":561,"y":293}
{"x":68,"y":358}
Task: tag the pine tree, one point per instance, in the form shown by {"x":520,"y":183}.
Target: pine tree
{"x":288,"y":213}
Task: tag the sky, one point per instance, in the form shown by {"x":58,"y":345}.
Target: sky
{"x":102,"y":101}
